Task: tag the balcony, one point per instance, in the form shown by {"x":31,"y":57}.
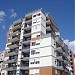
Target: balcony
{"x":59,"y":49}
{"x":15,"y":27}
{"x":65,"y":54}
{"x":17,"y":21}
{"x":25,"y":58}
{"x":26,"y":49}
{"x":29,"y":21}
{"x":14,"y":39}
{"x":65,"y":47}
{"x":48,"y":28}
{"x":59,"y":58}
{"x":11,"y":46}
{"x":27,"y":34}
{"x":17,"y":24}
{"x":10,"y":53}
{"x":48,"y":21}
{"x":15,"y":33}
{"x":66,"y":62}
{"x":11,"y":68}
{"x":59,"y":40}
{"x":12,"y":60}
{"x":27,"y":41}
{"x":24,"y":64}
{"x":24,"y":67}
{"x":28,"y":27}
{"x":60,"y":67}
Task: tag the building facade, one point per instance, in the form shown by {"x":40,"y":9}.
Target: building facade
{"x":72,"y":59}
{"x":74,"y":65}
{"x":34,"y":47}
{"x":1,"y":60}
{"x":4,"y":63}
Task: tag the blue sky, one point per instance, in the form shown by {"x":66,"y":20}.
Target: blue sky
{"x":62,"y":12}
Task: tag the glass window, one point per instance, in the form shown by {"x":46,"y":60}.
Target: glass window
{"x":37,"y":62}
{"x":33,"y":52}
{"x":34,"y":15}
{"x":33,"y":43}
{"x":32,"y":63}
{"x":37,"y":43}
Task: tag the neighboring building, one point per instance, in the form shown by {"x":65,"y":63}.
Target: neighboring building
{"x":34,"y":47}
{"x":1,"y":60}
{"x":74,"y":64}
{"x":72,"y":59}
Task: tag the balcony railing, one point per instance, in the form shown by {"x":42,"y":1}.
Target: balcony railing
{"x":28,"y":33}
{"x":25,"y":58}
{"x":28,"y":21}
{"x":11,"y":68}
{"x":10,"y":53}
{"x":65,"y":47}
{"x":12,"y":60}
{"x":60,"y":67}
{"x":66,"y":62}
{"x":16,"y":27}
{"x":26,"y":49}
{"x":14,"y":33}
{"x":27,"y":41}
{"x":24,"y":67}
{"x":17,"y":21}
{"x":60,"y":58}
{"x":14,"y":39}
{"x":65,"y":54}
{"x":11,"y":46}
{"x":59,"y":40}
{"x":48,"y":22}
{"x":27,"y":27}
{"x":59,"y":49}
{"x":48,"y":28}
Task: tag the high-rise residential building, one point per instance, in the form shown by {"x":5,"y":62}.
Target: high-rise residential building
{"x":1,"y":60}
{"x":4,"y":63}
{"x":34,"y":47}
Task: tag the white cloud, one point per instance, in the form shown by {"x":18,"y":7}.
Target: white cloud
{"x":3,"y":26}
{"x":2,"y":15}
{"x":13,"y":13}
{"x":71,"y":44}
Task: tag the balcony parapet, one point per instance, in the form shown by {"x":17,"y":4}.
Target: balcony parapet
{"x":59,"y":41}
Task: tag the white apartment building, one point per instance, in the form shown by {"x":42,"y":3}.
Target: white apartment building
{"x":1,"y":60}
{"x":34,"y":47}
